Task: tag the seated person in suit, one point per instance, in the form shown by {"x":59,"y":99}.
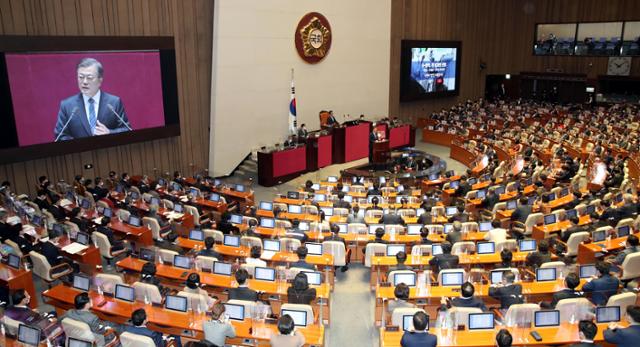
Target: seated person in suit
{"x":341,"y":203}
{"x":242,"y":292}
{"x":16,"y":234}
{"x":299,"y":292}
{"x":490,"y":200}
{"x":504,"y":338}
{"x":391,"y":218}
{"x":296,"y":233}
{"x":21,"y":312}
{"x":602,"y":287}
{"x":522,"y":212}
{"x":461,"y":216}
{"x":193,"y":285}
{"x":572,"y":281}
{"x":153,"y":213}
{"x":226,"y":226}
{"x":542,"y":255}
{"x":82,"y":312}
{"x":401,"y":258}
{"x":335,"y":234}
{"x":443,"y":261}
{"x":625,"y":337}
{"x":379,"y":234}
{"x":574,"y":228}
{"x":507,"y":292}
{"x":302,"y":255}
{"x":50,"y":251}
{"x":209,"y":251}
{"x":466,"y":299}
{"x":463,"y":188}
{"x":353,"y":217}
{"x":254,"y":257}
{"x":506,"y":257}
{"x":419,"y":336}
{"x":251,"y":231}
{"x":631,"y":247}
{"x":148,"y":275}
{"x":139,"y":327}
{"x":587,"y":332}
{"x":104,"y":229}
{"x":374,"y":191}
{"x":374,"y":205}
{"x":456,"y":234}
{"x":76,"y":218}
{"x":308,"y":187}
{"x":424,"y":236}
{"x":401,"y":292}
{"x":425,"y":217}
{"x":287,"y":334}
{"x":218,"y":328}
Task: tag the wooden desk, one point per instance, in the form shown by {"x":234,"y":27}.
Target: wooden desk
{"x":89,"y":259}
{"x":437,"y":137}
{"x":16,"y":279}
{"x":173,"y":322}
{"x":557,"y":203}
{"x":139,"y":235}
{"x":211,"y":205}
{"x":541,"y":232}
{"x":281,"y":165}
{"x":564,"y":334}
{"x":588,"y":253}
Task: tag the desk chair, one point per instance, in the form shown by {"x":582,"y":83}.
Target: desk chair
{"x":357,"y":228}
{"x":575,"y":309}
{"x":338,"y":250}
{"x":558,"y":265}
{"x":435,"y":228}
{"x":421,"y":250}
{"x":510,"y":244}
{"x":574,"y":241}
{"x":289,"y":243}
{"x":246,"y":219}
{"x":146,"y":292}
{"x":373,"y":214}
{"x":398,"y":314}
{"x":44,"y":270}
{"x":204,"y":262}
{"x":50,"y":219}
{"x":168,"y":204}
{"x":406,"y":212}
{"x":33,"y":205}
{"x":250,"y":241}
{"x":300,"y":307}
{"x":128,"y":339}
{"x":532,"y":219}
{"x":283,"y":224}
{"x":462,"y":246}
{"x":14,"y":247}
{"x":625,"y":222}
{"x":198,"y":300}
{"x":393,"y":228}
{"x":103,"y":244}
{"x":311,"y":209}
{"x":123,"y":214}
{"x":72,"y":226}
{"x":460,"y":315}
{"x":319,"y":226}
{"x":135,"y":189}
{"x":371,"y":249}
{"x":623,"y":300}
{"x":630,"y":267}
{"x":468,"y":227}
{"x":340,"y":211}
{"x":438,"y":211}
{"x":251,"y":269}
{"x":80,"y":330}
{"x":512,"y":269}
{"x":12,"y":326}
{"x":156,"y":231}
{"x":560,"y":214}
{"x":217,"y":235}
{"x":102,"y":204}
{"x":197,"y":219}
{"x":520,"y":315}
{"x":92,"y":201}
{"x":108,"y":282}
{"x":146,"y":197}
{"x":167,"y":255}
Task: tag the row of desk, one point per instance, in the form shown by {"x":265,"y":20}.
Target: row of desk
{"x":344,"y":144}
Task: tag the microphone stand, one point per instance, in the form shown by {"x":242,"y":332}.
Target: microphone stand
{"x":110,"y":107}
{"x":66,"y":124}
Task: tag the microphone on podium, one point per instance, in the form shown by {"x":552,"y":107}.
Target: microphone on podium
{"x":119,"y":117}
{"x":73,"y":112}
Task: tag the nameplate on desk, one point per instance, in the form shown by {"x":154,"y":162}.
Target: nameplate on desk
{"x":392,"y":328}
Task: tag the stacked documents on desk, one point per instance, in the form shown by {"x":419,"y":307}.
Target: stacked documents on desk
{"x":74,"y":248}
{"x":173,"y":215}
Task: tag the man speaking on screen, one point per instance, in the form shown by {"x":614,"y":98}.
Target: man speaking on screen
{"x":92,"y":112}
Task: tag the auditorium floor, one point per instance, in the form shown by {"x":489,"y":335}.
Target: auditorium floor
{"x":352,"y":303}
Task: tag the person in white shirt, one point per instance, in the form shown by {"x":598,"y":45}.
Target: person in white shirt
{"x":254,"y":258}
{"x":497,"y":233}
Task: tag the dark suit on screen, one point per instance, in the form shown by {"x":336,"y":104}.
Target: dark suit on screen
{"x":79,"y":125}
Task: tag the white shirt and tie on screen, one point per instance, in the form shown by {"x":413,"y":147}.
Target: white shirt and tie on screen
{"x":104,"y":112}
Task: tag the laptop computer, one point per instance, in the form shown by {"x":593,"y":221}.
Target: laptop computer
{"x":546,"y":318}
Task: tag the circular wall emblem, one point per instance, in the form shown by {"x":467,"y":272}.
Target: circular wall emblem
{"x":313,"y":37}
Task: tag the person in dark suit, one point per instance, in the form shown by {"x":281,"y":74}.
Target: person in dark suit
{"x":226,"y":226}
{"x":456,"y":234}
{"x":504,"y":338}
{"x":148,"y":275}
{"x":82,"y":312}
{"x":374,"y":191}
{"x":465,"y":300}
{"x":335,"y":234}
{"x":463,"y":188}
{"x":372,"y":140}
{"x":522,"y":211}
{"x":208,"y":250}
{"x":587,"y":332}
{"x":490,"y":200}
{"x":390,"y":218}
{"x":424,"y":236}
{"x":506,"y":258}
{"x":425,"y":217}
{"x":296,"y":233}
{"x":631,"y":247}
{"x":419,"y":336}
{"x":627,"y":337}
{"x":77,"y":219}
{"x":302,"y":255}
{"x":507,"y":292}
{"x":401,"y":258}
{"x":242,"y":292}
{"x":139,"y":327}
{"x":103,"y":228}
{"x":542,"y":255}
{"x":50,"y":251}
{"x":92,"y":112}
{"x":571,"y":282}
{"x":445,"y":260}
{"x":341,"y":203}
{"x":602,"y":287}
{"x":99,"y":191}
{"x":299,"y":292}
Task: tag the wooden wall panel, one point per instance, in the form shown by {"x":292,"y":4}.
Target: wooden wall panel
{"x":190,"y":22}
{"x":497,"y":32}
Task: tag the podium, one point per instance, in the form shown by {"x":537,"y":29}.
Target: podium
{"x":380,"y":151}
